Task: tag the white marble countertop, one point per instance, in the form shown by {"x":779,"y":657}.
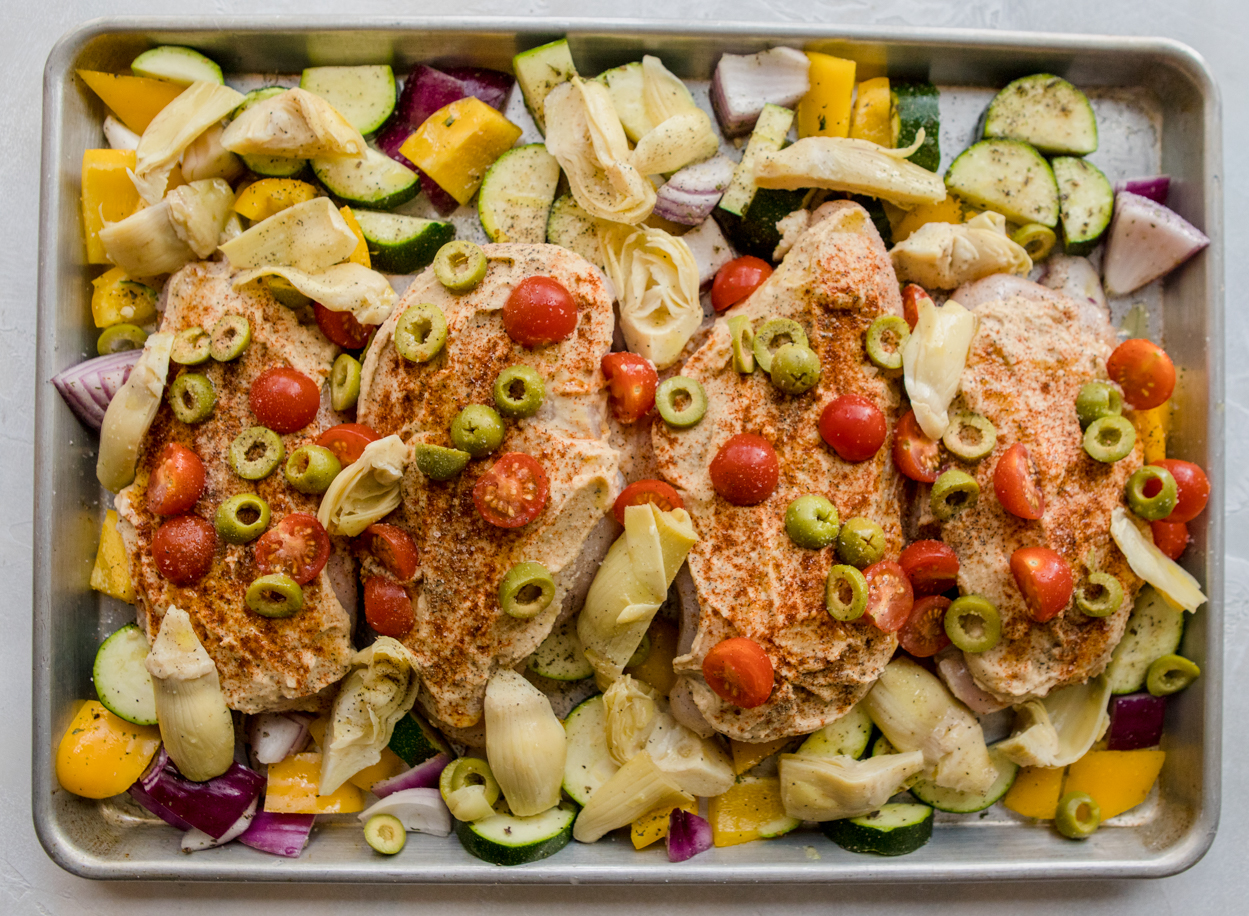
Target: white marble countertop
{"x":31,"y":884}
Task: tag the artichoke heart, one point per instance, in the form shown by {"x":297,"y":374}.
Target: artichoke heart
{"x":631,"y":709}
{"x":525,"y":743}
{"x":698,"y":765}
{"x":637,"y":788}
{"x":946,"y":255}
{"x":375,"y":694}
{"x":295,"y":124}
{"x":347,"y":287}
{"x":832,"y":788}
{"x":682,"y":132}
{"x":199,"y":211}
{"x":367,"y":490}
{"x":309,"y":236}
{"x":130,"y":413}
{"x":1151,"y":564}
{"x":195,"y":723}
{"x":146,"y":242}
{"x":933,"y":360}
{"x":207,"y":158}
{"x":1059,"y":730}
{"x":174,"y":129}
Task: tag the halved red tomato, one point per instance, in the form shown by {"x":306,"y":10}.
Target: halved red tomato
{"x":513,"y":492}
{"x":916,"y":456}
{"x":641,"y":492}
{"x":387,"y":607}
{"x":183,"y":549}
{"x":1170,"y":537}
{"x":1045,"y":579}
{"x":889,"y":595}
{"x":1144,"y":372}
{"x":736,"y":280}
{"x":853,"y":427}
{"x":394,"y":548}
{"x":347,"y":441}
{"x":631,"y":384}
{"x":539,"y":311}
{"x":1015,"y":481}
{"x":297,"y":546}
{"x":745,"y":470}
{"x":739,"y":672}
{"x":342,"y":327}
{"x":176,"y":482}
{"x":923,"y":635}
{"x":284,"y":399}
{"x":1192,"y":489}
{"x":931,"y":566}
{"x":912,"y":295}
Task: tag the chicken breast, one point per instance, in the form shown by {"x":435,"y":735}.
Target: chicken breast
{"x":265,"y":664}
{"x":749,"y":578}
{"x":461,"y":635}
{"x":1031,"y":354}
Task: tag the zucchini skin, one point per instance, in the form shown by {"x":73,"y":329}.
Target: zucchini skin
{"x":917,"y":105}
{"x":497,"y":854}
{"x":755,"y":233}
{"x":853,"y":835}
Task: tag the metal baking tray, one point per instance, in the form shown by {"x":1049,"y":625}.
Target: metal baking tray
{"x":1164,"y":109}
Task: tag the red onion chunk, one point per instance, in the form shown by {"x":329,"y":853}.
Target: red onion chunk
{"x":138,"y":794}
{"x":279,"y":834}
{"x":953,"y":671}
{"x":213,"y":806}
{"x":419,"y":810}
{"x":688,"y":835}
{"x":1135,"y":721}
{"x":711,"y":250}
{"x":88,"y":386}
{"x":743,"y":84}
{"x":491,"y":86}
{"x":691,"y":194}
{"x":443,"y":202}
{"x":1146,"y":241}
{"x":1155,"y":188}
{"x":195,"y":840}
{"x":422,"y":776}
{"x":274,"y":736}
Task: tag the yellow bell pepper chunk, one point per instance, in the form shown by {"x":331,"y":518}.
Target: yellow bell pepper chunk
{"x":111,"y":573}
{"x":136,"y":100}
{"x":1035,"y":792}
{"x":1116,"y":780}
{"x":293,"y":787}
{"x":101,"y":755}
{"x":107,"y":194}
{"x":653,"y":827}
{"x":873,"y":112}
{"x":950,"y":210}
{"x":116,"y":298}
{"x":1151,"y":426}
{"x":750,"y":810}
{"x":458,"y":143}
{"x":361,"y":254}
{"x":390,"y":765}
{"x":261,"y":199}
{"x":656,"y":669}
{"x":825,"y":110}
{"x":316,"y":729}
{"x":747,"y":755}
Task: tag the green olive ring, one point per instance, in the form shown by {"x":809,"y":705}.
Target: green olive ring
{"x":886,"y":337}
{"x":1100,"y":595}
{"x":1097,"y":400}
{"x":1110,"y":439}
{"x":519,"y":392}
{"x":256,"y":452}
{"x":465,"y":772}
{"x":192,"y":397}
{"x":811,"y":521}
{"x":953,"y":492}
{"x":1170,"y":674}
{"x":1151,"y":508}
{"x":861,"y":542}
{"x":795,"y":369}
{"x":777,"y":331}
{"x":478,"y":430}
{"x":437,"y":462}
{"x":231,"y":336}
{"x":345,"y":382}
{"x":276,"y":595}
{"x":970,"y":436}
{"x":1078,"y":816}
{"x":742,"y":332}
{"x":845,"y":593}
{"x":681,"y":401}
{"x":191,"y":346}
{"x":1036,"y":239}
{"x":421,"y":332}
{"x":120,"y":337}
{"x":460,"y":265}
{"x":242,"y":518}
{"x":526,"y":590}
{"x":973,"y":623}
{"x":311,"y":469}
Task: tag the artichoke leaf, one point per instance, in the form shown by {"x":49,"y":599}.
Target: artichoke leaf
{"x":698,"y":765}
{"x":346,"y":287}
{"x":637,"y":788}
{"x":525,"y":742}
{"x":147,"y":242}
{"x":367,"y":490}
{"x":1152,"y":565}
{"x":130,"y":413}
{"x":198,"y":212}
{"x":831,"y":788}
{"x":1059,"y":730}
{"x":469,"y":803}
{"x":946,"y":255}
{"x":176,"y":127}
{"x":681,"y":132}
{"x":309,"y":236}
{"x":207,"y":158}
{"x":933,"y":360}
{"x":295,"y":124}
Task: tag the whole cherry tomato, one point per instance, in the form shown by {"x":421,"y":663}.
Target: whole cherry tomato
{"x":1192,"y":489}
{"x":341,"y":327}
{"x":641,"y":492}
{"x":916,"y":456}
{"x":631,"y":384}
{"x":1144,"y":372}
{"x":889,"y":595}
{"x":923,"y":634}
{"x":513,"y":492}
{"x":1016,"y":485}
{"x":739,"y":672}
{"x":745,"y":470}
{"x":394,"y":548}
{"x":1170,"y":537}
{"x":931,"y":566}
{"x":539,"y":311}
{"x":1045,"y":579}
{"x":912,"y":296}
{"x":853,"y":427}
{"x":176,"y":482}
{"x":297,"y":546}
{"x":183,"y":549}
{"x":387,"y":607}
{"x":347,"y":441}
{"x":284,"y":399}
{"x":736,"y":280}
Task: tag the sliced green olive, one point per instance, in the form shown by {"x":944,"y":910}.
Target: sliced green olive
{"x":743,"y":334}
{"x":311,"y":469}
{"x":1097,"y":400}
{"x":886,"y":337}
{"x":795,"y":369}
{"x":120,"y":337}
{"x":970,"y":436}
{"x":681,"y":401}
{"x":437,"y":462}
{"x":478,"y":430}
{"x":642,"y":652}
{"x":192,"y":397}
{"x":191,"y":346}
{"x":345,"y":382}
{"x":1109,"y":439}
{"x":1100,"y":595}
{"x":1035,"y":239}
{"x":1151,"y":508}
{"x":1078,"y":816}
{"x":256,"y":452}
{"x":1170,"y":674}
{"x":526,"y":591}
{"x":385,"y":833}
{"x":275,"y":595}
{"x":287,"y":294}
{"x":421,"y":333}
{"x":953,"y":492}
{"x":460,"y":265}
{"x":811,"y":521}
{"x":465,"y":772}
{"x":241,"y":518}
{"x":231,"y":335}
{"x":518,"y":392}
{"x":775,"y":333}
{"x":861,"y":542}
{"x":973,"y":623}
{"x":845,"y":593}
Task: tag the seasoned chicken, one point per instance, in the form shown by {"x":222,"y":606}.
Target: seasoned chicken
{"x":461,"y":635}
{"x":749,"y":578}
{"x":265,"y":664}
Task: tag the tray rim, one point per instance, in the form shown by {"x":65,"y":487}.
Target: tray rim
{"x":1180,"y":856}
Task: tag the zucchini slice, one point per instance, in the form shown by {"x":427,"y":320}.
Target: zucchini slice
{"x":847,"y":736}
{"x":1153,"y":630}
{"x":917,"y":105}
{"x":539,"y":70}
{"x":896,"y":829}
{"x":767,"y":137}
{"x":1086,"y":202}
{"x":375,"y":181}
{"x":121,"y":679}
{"x":274,"y":166}
{"x":504,"y":839}
{"x":176,"y":65}
{"x":1045,"y":111}
{"x":624,"y":85}
{"x":1008,"y":176}
{"x":402,"y":244}
{"x":589,"y":763}
{"x":755,"y":233}
{"x":572,"y":227}
{"x":944,"y":799}
{"x":365,"y":96}
{"x":515,"y":199}
{"x":414,"y":740}
{"x":560,"y":656}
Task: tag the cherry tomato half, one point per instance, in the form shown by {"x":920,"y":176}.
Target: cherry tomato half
{"x":916,"y":456}
{"x":631,"y":384}
{"x":853,"y":427}
{"x":176,"y":482}
{"x":1016,"y":485}
{"x":912,"y":296}
{"x":284,"y":399}
{"x":1045,"y":579}
{"x":1170,"y":537}
{"x":347,"y":441}
{"x":512,"y":492}
{"x":889,"y":595}
{"x":394,"y":548}
{"x":931,"y":566}
{"x":387,"y":607}
{"x":1192,"y":486}
{"x":641,"y":492}
{"x":739,"y":672}
{"x":183,"y":549}
{"x":736,"y":280}
{"x":1144,"y":372}
{"x":297,"y":546}
{"x":539,"y":311}
{"x":342,"y":327}
{"x":745,"y":471}
{"x":923,"y":634}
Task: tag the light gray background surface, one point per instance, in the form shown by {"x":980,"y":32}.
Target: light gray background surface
{"x":31,"y":884}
